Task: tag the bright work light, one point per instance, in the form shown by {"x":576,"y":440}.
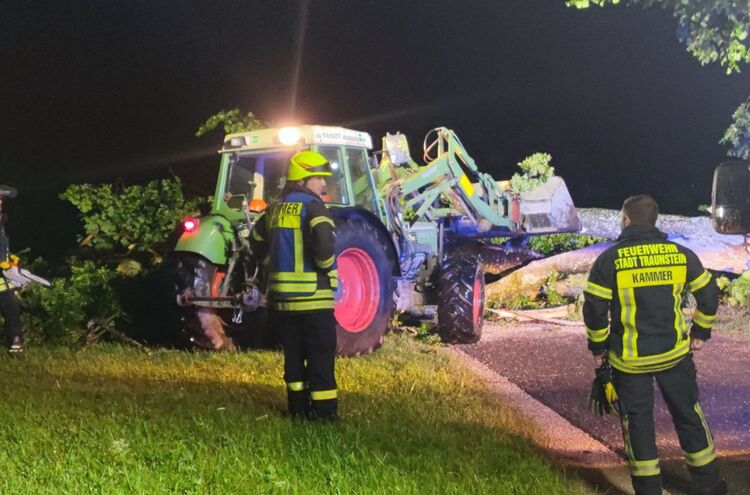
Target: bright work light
{"x":288,"y":136}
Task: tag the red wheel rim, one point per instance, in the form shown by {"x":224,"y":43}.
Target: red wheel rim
{"x":358,"y":294}
{"x":477,"y":301}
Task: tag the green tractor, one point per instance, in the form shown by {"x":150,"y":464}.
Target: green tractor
{"x":407,"y":236}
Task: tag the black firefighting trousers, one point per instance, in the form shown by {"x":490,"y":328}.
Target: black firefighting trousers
{"x":309,"y":341}
{"x":10,"y":309}
{"x":680,"y":391}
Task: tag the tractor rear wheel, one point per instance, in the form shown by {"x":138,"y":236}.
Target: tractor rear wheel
{"x":461,"y":292}
{"x":364,"y":301}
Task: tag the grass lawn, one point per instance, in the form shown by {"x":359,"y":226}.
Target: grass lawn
{"x":112,"y":420}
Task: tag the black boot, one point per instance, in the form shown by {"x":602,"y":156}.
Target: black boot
{"x":298,"y":403}
{"x":324,"y":410}
{"x":16,"y":346}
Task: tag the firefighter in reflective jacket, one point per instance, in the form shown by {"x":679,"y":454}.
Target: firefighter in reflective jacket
{"x":633,"y":316}
{"x":296,"y":235}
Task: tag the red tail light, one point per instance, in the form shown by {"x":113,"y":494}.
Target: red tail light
{"x":189,"y":224}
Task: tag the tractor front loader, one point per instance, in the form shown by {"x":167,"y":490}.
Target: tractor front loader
{"x":407,"y":236}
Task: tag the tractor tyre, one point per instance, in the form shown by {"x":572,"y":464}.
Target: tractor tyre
{"x":202,"y":327}
{"x":364,"y":301}
{"x":461,"y":297}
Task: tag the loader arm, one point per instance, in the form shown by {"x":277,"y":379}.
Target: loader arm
{"x":451,"y":185}
{"x":446,"y":174}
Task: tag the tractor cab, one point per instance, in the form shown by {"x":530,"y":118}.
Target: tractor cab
{"x":254,"y":165}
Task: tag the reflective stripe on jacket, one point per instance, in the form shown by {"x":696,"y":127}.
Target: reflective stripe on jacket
{"x":633,"y":301}
{"x":296,"y":235}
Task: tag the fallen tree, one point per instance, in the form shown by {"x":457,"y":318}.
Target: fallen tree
{"x":726,"y":253}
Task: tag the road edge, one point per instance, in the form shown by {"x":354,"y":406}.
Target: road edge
{"x":583,"y":451}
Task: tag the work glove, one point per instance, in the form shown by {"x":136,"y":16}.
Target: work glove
{"x":603,"y":398}
{"x":12,"y":261}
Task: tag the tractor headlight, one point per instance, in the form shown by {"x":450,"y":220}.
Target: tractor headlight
{"x":289,"y":136}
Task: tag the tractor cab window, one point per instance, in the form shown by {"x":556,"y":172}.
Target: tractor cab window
{"x":256,"y":176}
{"x":356,"y":159}
{"x":335,"y":184}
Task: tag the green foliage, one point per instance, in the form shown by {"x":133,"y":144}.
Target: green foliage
{"x":704,"y":208}
{"x":61,"y":314}
{"x":715,"y":31}
{"x":737,"y":136}
{"x":415,"y":325}
{"x":126,"y":233}
{"x":736,"y":292}
{"x":546,"y":297}
{"x":130,"y":220}
{"x":498,"y":241}
{"x":536,"y":171}
{"x":560,"y":243}
{"x":232,"y":121}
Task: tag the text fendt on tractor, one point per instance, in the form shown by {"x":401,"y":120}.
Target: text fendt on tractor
{"x":407,"y":236}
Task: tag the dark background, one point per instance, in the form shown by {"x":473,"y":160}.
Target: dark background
{"x":100,"y":90}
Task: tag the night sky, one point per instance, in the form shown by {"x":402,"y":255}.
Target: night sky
{"x":99,"y":90}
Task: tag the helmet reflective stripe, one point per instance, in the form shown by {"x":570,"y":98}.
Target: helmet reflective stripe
{"x":308,"y":164}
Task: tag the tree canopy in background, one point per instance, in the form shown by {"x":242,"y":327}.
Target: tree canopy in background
{"x":713,"y":31}
{"x":232,"y":121}
{"x":123,"y":221}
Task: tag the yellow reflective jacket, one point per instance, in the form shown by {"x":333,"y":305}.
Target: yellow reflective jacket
{"x":633,"y":301}
{"x":296,"y":235}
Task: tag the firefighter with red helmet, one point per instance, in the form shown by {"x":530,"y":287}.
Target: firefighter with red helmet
{"x":295,"y":236}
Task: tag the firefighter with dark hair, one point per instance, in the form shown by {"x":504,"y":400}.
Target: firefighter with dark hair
{"x":634,"y":320}
{"x":296,"y":236}
{"x":10,"y":308}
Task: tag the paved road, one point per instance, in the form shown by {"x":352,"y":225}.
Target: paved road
{"x":551,"y":364}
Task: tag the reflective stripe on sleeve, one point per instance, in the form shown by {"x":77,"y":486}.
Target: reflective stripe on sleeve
{"x":704,"y":320}
{"x":318,"y":220}
{"x":598,"y":290}
{"x":597,"y":335}
{"x":700,"y":282}
{"x":325,"y":263}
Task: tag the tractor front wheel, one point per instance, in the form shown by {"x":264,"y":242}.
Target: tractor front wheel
{"x":461,"y":304}
{"x":364,"y":301}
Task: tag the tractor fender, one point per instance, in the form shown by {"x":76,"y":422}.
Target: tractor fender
{"x":212,"y":239}
{"x":343,"y":214}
